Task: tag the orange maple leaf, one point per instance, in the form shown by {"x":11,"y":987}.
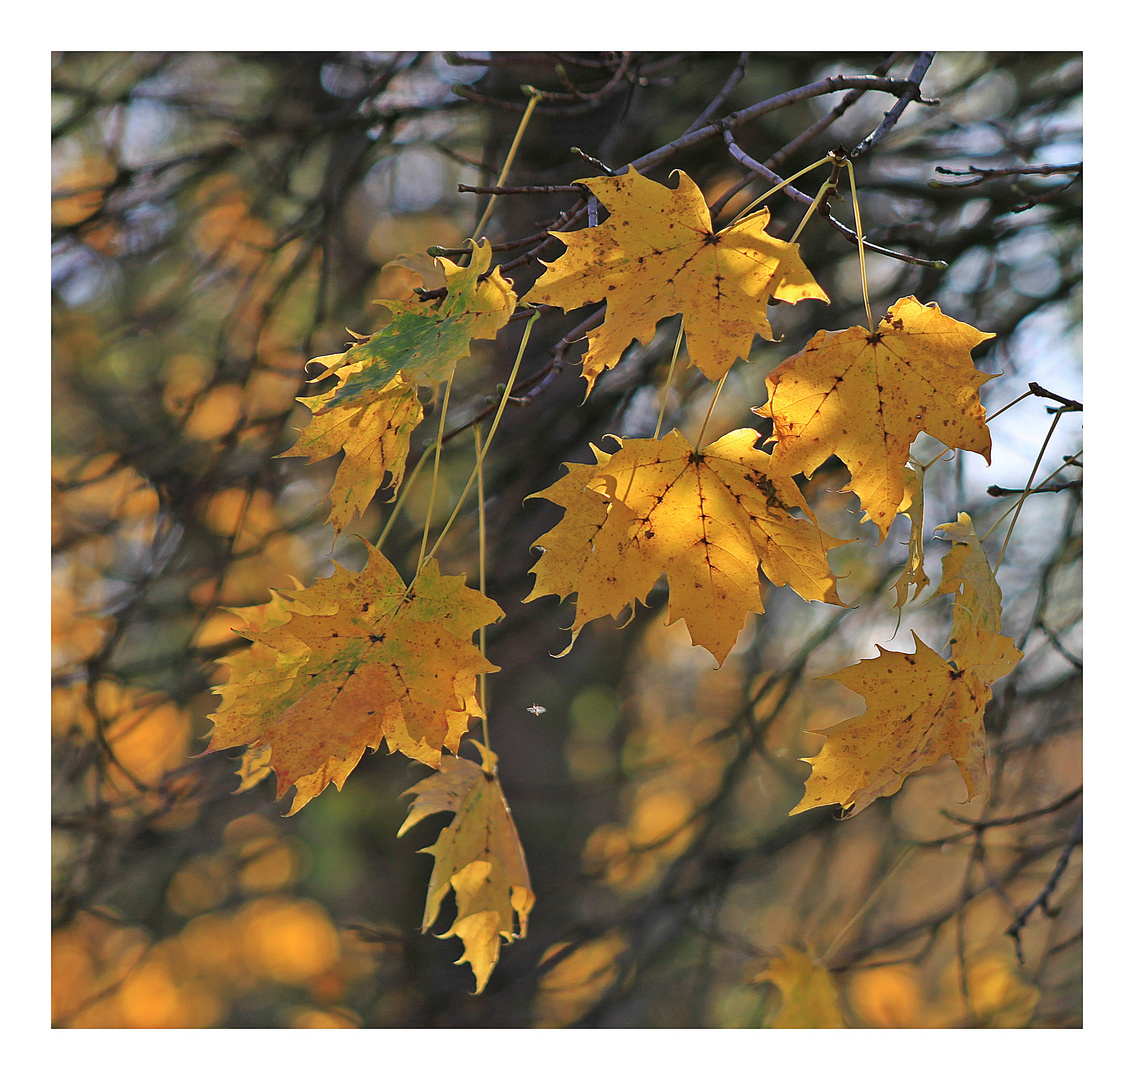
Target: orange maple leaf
{"x":708,"y":519}
{"x":865,"y":396}
{"x":358,"y":659}
{"x":478,"y":856}
{"x":920,"y":707}
{"x":658,"y":255}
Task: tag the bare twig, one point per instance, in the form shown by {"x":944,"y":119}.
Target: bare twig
{"x":917,"y":73}
{"x":1069,"y":404}
{"x":1042,"y":900}
{"x":719,"y":100}
{"x":996,"y":491}
{"x":974,"y":174}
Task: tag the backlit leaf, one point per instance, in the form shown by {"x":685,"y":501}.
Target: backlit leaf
{"x":709,"y":520}
{"x":657,"y":255}
{"x":864,"y":396}
{"x":913,"y":575}
{"x":423,"y":342}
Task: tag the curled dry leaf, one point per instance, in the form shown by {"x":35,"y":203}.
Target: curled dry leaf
{"x":657,"y":255}
{"x":478,"y":856}
{"x":913,"y":575}
{"x":356,"y":659}
{"x":709,"y":520}
{"x":865,"y":395}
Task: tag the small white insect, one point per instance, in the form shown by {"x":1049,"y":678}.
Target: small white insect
{"x":535,"y":710}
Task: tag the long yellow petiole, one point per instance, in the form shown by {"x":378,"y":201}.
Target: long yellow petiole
{"x":403,"y":493}
{"x":482,"y":682}
{"x":533,"y":101}
{"x":712,"y":406}
{"x":436,"y":475}
{"x":782,"y":184}
{"x":669,"y":377}
{"x":491,"y":432}
{"x":861,"y":249}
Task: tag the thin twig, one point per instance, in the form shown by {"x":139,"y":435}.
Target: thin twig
{"x":996,"y":491}
{"x":529,"y":189}
{"x":974,"y":174}
{"x":719,"y":100}
{"x":1041,"y":901}
{"x":1069,"y":404}
{"x":1015,"y":819}
{"x":917,"y":73}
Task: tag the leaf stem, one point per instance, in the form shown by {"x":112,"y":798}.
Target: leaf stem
{"x":712,"y":405}
{"x":491,"y":432}
{"x":533,"y":101}
{"x":861,"y":249}
{"x":669,"y":376}
{"x":402,"y":494}
{"x":771,"y":191}
{"x":436,"y":475}
{"x":482,"y":682}
{"x":864,"y":907}
{"x":1029,"y":487}
{"x":819,"y":200}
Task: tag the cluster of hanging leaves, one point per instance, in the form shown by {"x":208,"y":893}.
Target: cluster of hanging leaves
{"x":363,"y":658}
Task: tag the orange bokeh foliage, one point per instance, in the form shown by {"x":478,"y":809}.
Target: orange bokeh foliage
{"x":569,"y":988}
{"x":79,"y":188}
{"x":105,"y":974}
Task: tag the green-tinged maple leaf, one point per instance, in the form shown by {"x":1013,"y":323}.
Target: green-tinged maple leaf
{"x":657,"y":255}
{"x":373,"y":430}
{"x":808,"y":995}
{"x":358,"y":659}
{"x":478,"y":856}
{"x":423,"y":342}
{"x":920,"y":707}
{"x":865,"y":395}
{"x":372,"y":411}
{"x":709,"y":520}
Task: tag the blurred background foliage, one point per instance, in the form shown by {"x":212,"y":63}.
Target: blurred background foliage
{"x":220,"y":219}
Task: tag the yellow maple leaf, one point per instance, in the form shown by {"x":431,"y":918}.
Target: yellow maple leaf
{"x":864,"y":396}
{"x":708,"y":519}
{"x":657,"y":255}
{"x":920,"y":707}
{"x":808,"y":995}
{"x":359,"y":659}
{"x":477,"y":855}
{"x":373,"y":431}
